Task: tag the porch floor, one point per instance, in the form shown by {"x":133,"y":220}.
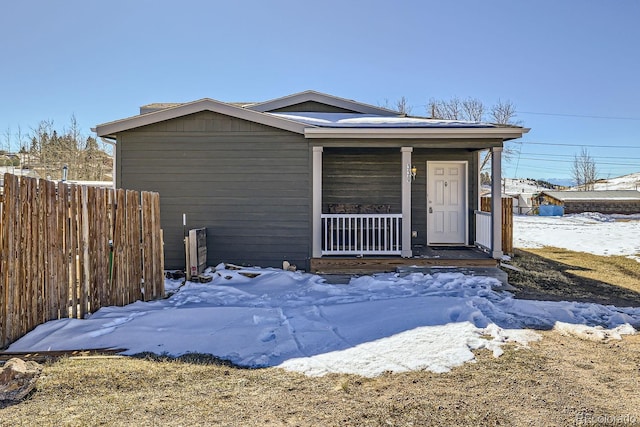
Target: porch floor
{"x":423,"y":256}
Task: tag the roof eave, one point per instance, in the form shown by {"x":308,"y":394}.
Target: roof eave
{"x":412,"y":133}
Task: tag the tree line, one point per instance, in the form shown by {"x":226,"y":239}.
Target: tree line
{"x":51,"y":153}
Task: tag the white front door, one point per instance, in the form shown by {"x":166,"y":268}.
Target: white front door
{"x":446,"y":203}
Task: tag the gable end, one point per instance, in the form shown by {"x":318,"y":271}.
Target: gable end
{"x":345,"y":105}
{"x":311,"y":107}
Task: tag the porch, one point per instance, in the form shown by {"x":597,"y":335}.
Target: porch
{"x":376,"y":206}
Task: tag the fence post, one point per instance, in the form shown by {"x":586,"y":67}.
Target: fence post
{"x":507,"y":221}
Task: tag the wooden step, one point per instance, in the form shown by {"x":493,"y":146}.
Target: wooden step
{"x":365,"y":265}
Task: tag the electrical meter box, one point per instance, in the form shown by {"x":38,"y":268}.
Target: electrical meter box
{"x":196,"y":249}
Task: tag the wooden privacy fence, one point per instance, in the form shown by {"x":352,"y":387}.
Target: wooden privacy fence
{"x":507,"y":221}
{"x":68,"y":250}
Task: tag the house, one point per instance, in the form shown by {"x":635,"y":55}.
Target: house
{"x":522,"y":203}
{"x":308,"y":176}
{"x":15,"y":170}
{"x":602,"y":201}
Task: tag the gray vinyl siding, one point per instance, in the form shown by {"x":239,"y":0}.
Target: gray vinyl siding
{"x":247,"y":183}
{"x":362,"y":176}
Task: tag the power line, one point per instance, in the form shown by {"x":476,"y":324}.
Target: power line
{"x":573,"y":156}
{"x":571,"y":161}
{"x":637,"y":147}
{"x":582,"y":116}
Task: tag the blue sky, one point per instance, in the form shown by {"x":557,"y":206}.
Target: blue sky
{"x":570,"y":67}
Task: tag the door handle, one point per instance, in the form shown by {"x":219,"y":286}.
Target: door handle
{"x":430,"y":210}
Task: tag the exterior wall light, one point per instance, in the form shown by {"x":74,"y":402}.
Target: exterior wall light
{"x":411,"y":172}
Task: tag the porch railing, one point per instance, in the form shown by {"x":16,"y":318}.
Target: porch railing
{"x":361,"y":234}
{"x":483,"y":229}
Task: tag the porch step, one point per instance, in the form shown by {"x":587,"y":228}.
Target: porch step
{"x":365,"y":265}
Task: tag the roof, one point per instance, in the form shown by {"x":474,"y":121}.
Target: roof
{"x":367,"y":121}
{"x":569,"y":196}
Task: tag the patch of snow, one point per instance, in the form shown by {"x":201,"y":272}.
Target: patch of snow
{"x":297,"y":321}
{"x":521,"y":186}
{"x":594,"y":233}
{"x":594,"y":333}
{"x":625,"y":182}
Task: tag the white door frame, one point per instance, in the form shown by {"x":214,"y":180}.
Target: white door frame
{"x":464,"y":195}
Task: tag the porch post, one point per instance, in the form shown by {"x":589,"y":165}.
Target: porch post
{"x":406,"y":202}
{"x":316,"y":210}
{"x":496,"y":202}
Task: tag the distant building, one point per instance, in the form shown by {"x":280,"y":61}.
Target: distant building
{"x":606,"y":201}
{"x":522,"y":203}
{"x":15,"y":170}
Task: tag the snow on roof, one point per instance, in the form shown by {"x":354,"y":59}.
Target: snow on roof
{"x":344,"y":120}
{"x":594,"y":195}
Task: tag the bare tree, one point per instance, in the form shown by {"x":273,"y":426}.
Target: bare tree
{"x":503,"y":112}
{"x":402,"y":105}
{"x":584,"y":171}
{"x":7,"y":139}
{"x":446,"y":110}
{"x":473,"y":109}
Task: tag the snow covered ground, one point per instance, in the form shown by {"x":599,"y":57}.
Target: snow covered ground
{"x":625,"y":182}
{"x":589,"y":232}
{"x":520,"y":185}
{"x":526,"y":185}
{"x":373,"y":324}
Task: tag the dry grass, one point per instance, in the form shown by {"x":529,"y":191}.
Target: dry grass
{"x":558,"y":274}
{"x":552,"y":383}
{"x":558,"y":381}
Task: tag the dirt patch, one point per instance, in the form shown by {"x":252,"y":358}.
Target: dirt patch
{"x":555,"y":274}
{"x":557,"y":381}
